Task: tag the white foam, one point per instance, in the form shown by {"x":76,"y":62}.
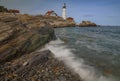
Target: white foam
{"x":86,"y":72}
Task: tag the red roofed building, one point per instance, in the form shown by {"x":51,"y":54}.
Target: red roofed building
{"x":50,"y":13}
{"x":70,"y":19}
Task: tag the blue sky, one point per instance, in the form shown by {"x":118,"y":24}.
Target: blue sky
{"x":102,"y":12}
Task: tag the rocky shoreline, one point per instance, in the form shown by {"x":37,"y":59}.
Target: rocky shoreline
{"x":87,"y":24}
{"x":37,"y":66}
{"x":20,"y":36}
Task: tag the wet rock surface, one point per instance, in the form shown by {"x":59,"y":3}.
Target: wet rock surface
{"x":37,"y":66}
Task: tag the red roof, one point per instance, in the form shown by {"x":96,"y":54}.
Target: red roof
{"x":70,"y":19}
{"x":49,"y":13}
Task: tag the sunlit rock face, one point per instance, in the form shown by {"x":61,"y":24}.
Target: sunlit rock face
{"x":18,"y":37}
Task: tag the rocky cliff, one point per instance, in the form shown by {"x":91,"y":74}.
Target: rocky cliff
{"x":87,"y":24}
{"x":20,"y":36}
{"x":57,"y":22}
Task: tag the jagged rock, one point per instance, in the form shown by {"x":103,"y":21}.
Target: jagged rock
{"x":16,"y":39}
{"x":6,"y":32}
{"x":87,"y":24}
{"x":8,"y":19}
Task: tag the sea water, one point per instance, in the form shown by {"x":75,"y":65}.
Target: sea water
{"x":92,"y":52}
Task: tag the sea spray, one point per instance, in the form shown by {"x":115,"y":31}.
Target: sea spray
{"x":86,"y":72}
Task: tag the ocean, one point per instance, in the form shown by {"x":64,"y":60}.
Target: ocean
{"x":92,"y":52}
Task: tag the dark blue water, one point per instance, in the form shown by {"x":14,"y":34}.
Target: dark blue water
{"x":98,"y":46}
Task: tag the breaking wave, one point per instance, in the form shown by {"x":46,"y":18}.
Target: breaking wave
{"x":78,"y":65}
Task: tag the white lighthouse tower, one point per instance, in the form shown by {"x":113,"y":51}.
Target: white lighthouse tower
{"x":64,"y":11}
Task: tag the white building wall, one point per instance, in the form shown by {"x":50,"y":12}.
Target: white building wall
{"x":64,"y":13}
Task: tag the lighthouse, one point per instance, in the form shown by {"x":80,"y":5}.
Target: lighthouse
{"x":64,"y":11}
